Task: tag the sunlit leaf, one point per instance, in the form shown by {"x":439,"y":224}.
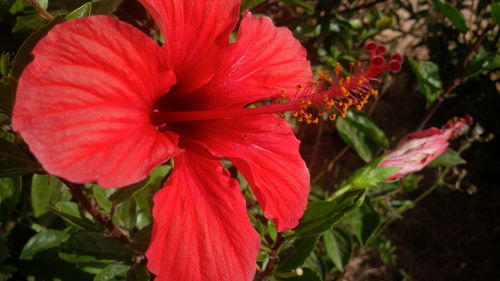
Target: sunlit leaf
{"x":83,"y":11}
{"x":44,"y":4}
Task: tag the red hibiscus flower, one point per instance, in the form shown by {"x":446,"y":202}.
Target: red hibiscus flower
{"x":416,"y":150}
{"x":101,"y":102}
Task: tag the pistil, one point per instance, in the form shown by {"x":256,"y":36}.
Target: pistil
{"x":328,"y":95}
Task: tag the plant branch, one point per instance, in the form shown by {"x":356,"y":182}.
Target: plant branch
{"x":330,"y":165}
{"x":273,"y":257}
{"x":46,"y":15}
{"x":457,"y":79}
{"x":91,"y":207}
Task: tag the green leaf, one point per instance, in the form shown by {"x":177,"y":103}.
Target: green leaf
{"x":321,"y":215}
{"x":43,"y":241}
{"x":4,"y":250}
{"x":338,"y":246}
{"x":482,"y":62}
{"x":364,"y":221}
{"x":411,"y":181}
{"x":5,"y":7}
{"x":105,"y":7}
{"x":18,"y":7}
{"x":112,"y":271}
{"x":28,"y":22}
{"x":157,"y":177}
{"x":69,"y":208}
{"x":368,"y":177}
{"x":7,"y":92}
{"x":383,"y":189}
{"x":495,"y":12}
{"x":69,"y":211}
{"x":356,"y":23}
{"x":307,"y":275}
{"x":362,"y":135}
{"x":10,"y":189}
{"x":13,"y":161}
{"x":453,"y":14}
{"x":140,"y":239}
{"x":428,"y":79}
{"x":127,"y":192}
{"x":83,"y":247}
{"x":144,"y":206}
{"x":296,"y":253}
{"x":43,"y":3}
{"x":101,"y":196}
{"x":249,"y":4}
{"x":23,"y":56}
{"x":83,"y":11}
{"x":449,"y":158}
{"x":46,"y":191}
{"x":4,"y":63}
{"x":138,"y":273}
{"x":125,"y":215}
{"x":385,"y":22}
{"x":6,"y":272}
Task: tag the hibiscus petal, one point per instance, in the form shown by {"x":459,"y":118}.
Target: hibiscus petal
{"x":196,"y":35}
{"x":266,"y":152}
{"x":83,"y":105}
{"x":264,"y":61}
{"x":201,"y":231}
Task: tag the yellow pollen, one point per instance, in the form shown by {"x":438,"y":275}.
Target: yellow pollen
{"x":344,"y":91}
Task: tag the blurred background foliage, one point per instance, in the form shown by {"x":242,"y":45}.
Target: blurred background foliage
{"x":438,"y":224}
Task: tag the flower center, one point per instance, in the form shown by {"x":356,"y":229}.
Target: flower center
{"x":330,"y":96}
